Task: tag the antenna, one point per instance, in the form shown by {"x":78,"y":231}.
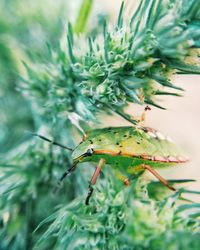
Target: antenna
{"x":52,"y":142}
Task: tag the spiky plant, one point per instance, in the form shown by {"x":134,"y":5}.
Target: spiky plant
{"x":131,"y":62}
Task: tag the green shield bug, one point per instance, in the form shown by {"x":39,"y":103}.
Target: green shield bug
{"x":129,"y":150}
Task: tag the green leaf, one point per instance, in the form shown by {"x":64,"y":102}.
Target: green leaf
{"x":132,"y":94}
{"x":70,"y":44}
{"x":120,"y":19}
{"x":158,"y":92}
{"x":150,"y":102}
{"x":185,"y":68}
{"x":187,"y":206}
{"x":106,"y":40}
{"x":83,"y":16}
{"x":164,"y":82}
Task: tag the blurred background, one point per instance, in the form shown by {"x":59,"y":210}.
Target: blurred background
{"x":26,"y":29}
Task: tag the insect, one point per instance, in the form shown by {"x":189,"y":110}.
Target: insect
{"x":129,"y":150}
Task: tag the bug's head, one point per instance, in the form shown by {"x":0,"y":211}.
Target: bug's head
{"x":96,"y":139}
{"x":84,"y":149}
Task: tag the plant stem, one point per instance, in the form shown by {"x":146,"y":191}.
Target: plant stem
{"x":83,"y":16}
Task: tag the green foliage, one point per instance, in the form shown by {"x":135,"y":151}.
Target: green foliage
{"x":128,"y":63}
{"x":28,"y":181}
{"x":123,"y":218}
{"x":25,"y":28}
{"x":69,"y":84}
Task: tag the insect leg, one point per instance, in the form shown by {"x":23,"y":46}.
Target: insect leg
{"x":94,"y":179}
{"x":130,"y":177}
{"x":143,"y":115}
{"x":159,"y":177}
{"x":127,"y":180}
{"x":122,"y":178}
{"x":66,"y":173}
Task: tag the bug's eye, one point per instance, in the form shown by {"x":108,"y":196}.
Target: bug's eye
{"x":90,"y":152}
